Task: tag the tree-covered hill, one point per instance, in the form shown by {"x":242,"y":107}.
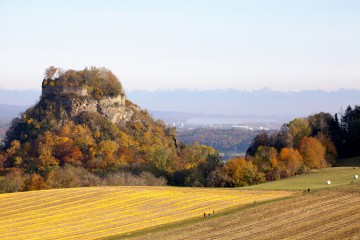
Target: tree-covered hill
{"x":84,"y":130}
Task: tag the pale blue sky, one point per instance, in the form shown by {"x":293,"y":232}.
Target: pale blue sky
{"x":197,"y":44}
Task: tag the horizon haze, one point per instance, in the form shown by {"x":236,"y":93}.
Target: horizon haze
{"x":215,"y":106}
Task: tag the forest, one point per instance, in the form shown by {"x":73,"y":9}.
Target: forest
{"x":43,"y":150}
{"x":223,"y":140}
{"x":300,"y":145}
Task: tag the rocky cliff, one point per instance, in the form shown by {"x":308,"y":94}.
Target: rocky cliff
{"x":114,"y":109}
{"x":75,"y":94}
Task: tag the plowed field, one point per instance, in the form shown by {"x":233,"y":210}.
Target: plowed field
{"x":327,"y":214}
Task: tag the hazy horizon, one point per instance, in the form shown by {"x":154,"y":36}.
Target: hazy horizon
{"x":230,"y":102}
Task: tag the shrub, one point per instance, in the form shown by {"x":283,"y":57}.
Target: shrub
{"x":123,"y":178}
{"x":70,"y":176}
{"x":12,"y":182}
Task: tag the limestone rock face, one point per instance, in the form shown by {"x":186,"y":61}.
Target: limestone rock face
{"x":109,"y":108}
{"x":74,"y":102}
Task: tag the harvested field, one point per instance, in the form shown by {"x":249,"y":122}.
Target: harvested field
{"x":327,"y":214}
{"x":90,"y":213}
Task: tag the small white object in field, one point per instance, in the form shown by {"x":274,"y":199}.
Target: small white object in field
{"x":328,"y":182}
{"x":356,"y":176}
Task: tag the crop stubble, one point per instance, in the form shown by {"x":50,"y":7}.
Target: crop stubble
{"x":323,"y":215}
{"x":89,"y":213}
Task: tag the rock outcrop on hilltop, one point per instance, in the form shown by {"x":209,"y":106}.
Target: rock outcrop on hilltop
{"x":74,"y":98}
{"x":93,"y":95}
{"x":74,"y":101}
{"x":84,"y":120}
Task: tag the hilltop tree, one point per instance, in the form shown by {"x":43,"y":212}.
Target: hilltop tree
{"x":50,"y":72}
{"x":299,"y":128}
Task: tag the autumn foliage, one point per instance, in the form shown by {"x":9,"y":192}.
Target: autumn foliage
{"x":300,"y":145}
{"x":49,"y":151}
{"x":44,"y":150}
{"x":313,"y":152}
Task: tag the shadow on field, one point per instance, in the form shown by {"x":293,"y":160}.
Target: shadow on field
{"x":348,"y":162}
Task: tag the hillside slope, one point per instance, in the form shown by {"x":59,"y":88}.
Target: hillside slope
{"x":83,"y":119}
{"x":315,"y":179}
{"x":91,"y":213}
{"x":328,"y":214}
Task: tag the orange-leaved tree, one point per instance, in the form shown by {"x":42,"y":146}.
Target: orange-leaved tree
{"x":236,"y":170}
{"x":313,"y":152}
{"x":291,"y":160}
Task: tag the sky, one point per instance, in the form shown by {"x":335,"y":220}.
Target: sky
{"x":283,"y":45}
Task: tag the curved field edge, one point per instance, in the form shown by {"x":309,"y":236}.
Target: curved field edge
{"x":89,"y":213}
{"x":194,"y":220}
{"x":315,"y":179}
{"x":324,"y":214}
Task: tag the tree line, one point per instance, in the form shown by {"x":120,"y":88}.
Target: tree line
{"x":99,"y":153}
{"x":313,"y":142}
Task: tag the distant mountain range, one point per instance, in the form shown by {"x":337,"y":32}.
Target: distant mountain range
{"x":8,"y":112}
{"x":257,"y":104}
{"x":12,"y":102}
{"x":19,"y":97}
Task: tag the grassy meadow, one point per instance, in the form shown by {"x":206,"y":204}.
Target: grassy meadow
{"x":96,"y":212}
{"x":315,"y":179}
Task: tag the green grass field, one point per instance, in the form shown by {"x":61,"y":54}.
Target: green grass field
{"x":315,"y":179}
